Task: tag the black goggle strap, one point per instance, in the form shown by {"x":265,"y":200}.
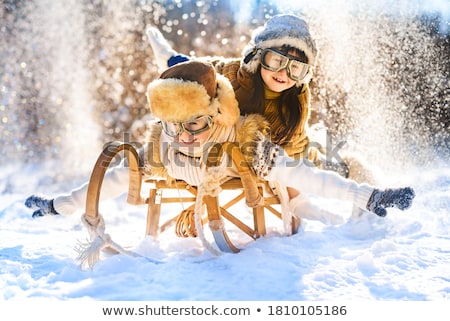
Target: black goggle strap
{"x":251,"y":55}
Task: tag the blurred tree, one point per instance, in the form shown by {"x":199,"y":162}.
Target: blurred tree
{"x":119,"y":64}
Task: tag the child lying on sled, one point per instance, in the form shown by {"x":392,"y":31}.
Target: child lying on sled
{"x":196,"y":107}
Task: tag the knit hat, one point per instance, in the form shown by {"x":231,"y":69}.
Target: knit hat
{"x":193,"y":89}
{"x":280,"y":30}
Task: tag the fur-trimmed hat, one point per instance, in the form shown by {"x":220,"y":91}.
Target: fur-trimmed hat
{"x":192,"y":89}
{"x":280,"y":30}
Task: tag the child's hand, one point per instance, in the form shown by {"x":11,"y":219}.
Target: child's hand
{"x":43,"y":204}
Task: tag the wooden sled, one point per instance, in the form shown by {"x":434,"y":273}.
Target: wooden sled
{"x":249,"y":188}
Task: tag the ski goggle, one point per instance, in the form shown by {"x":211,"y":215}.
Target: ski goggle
{"x":193,"y":127}
{"x":275,"y":60}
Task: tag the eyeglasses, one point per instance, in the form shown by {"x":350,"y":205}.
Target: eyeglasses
{"x":193,"y":127}
{"x":275,"y":60}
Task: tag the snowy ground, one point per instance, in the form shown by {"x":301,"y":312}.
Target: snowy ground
{"x":404,"y":256}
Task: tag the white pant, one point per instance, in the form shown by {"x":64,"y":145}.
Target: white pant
{"x":311,"y":180}
{"x":302,"y":207}
{"x":115,"y":183}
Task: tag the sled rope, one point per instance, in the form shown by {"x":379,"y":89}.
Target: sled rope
{"x":185,"y":224}
{"x":89,"y":252}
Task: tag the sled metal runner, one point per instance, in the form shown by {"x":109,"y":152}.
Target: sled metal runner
{"x":250,"y":189}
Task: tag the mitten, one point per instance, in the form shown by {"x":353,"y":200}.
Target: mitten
{"x":400,"y":198}
{"x":43,"y":204}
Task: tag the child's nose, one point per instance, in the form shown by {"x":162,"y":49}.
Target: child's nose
{"x":283,"y":71}
{"x":185,"y":136}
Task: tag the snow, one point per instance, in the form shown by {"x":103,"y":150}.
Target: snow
{"x":404,"y":256}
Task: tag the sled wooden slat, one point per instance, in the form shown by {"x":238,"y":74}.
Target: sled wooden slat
{"x":177,"y":200}
{"x":275,"y":212}
{"x":241,"y":225}
{"x":234,"y":201}
{"x":153,"y":213}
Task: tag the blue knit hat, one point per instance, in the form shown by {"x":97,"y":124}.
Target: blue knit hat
{"x":280,"y":30}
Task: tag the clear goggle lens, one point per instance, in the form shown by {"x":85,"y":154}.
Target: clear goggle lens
{"x":274,"y":60}
{"x":193,"y":127}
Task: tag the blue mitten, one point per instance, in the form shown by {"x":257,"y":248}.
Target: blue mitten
{"x":43,"y":204}
{"x":400,"y":198}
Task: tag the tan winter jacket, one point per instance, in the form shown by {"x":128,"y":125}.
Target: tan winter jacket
{"x":242,"y":83}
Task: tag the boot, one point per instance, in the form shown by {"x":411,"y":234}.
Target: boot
{"x":162,"y":50}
